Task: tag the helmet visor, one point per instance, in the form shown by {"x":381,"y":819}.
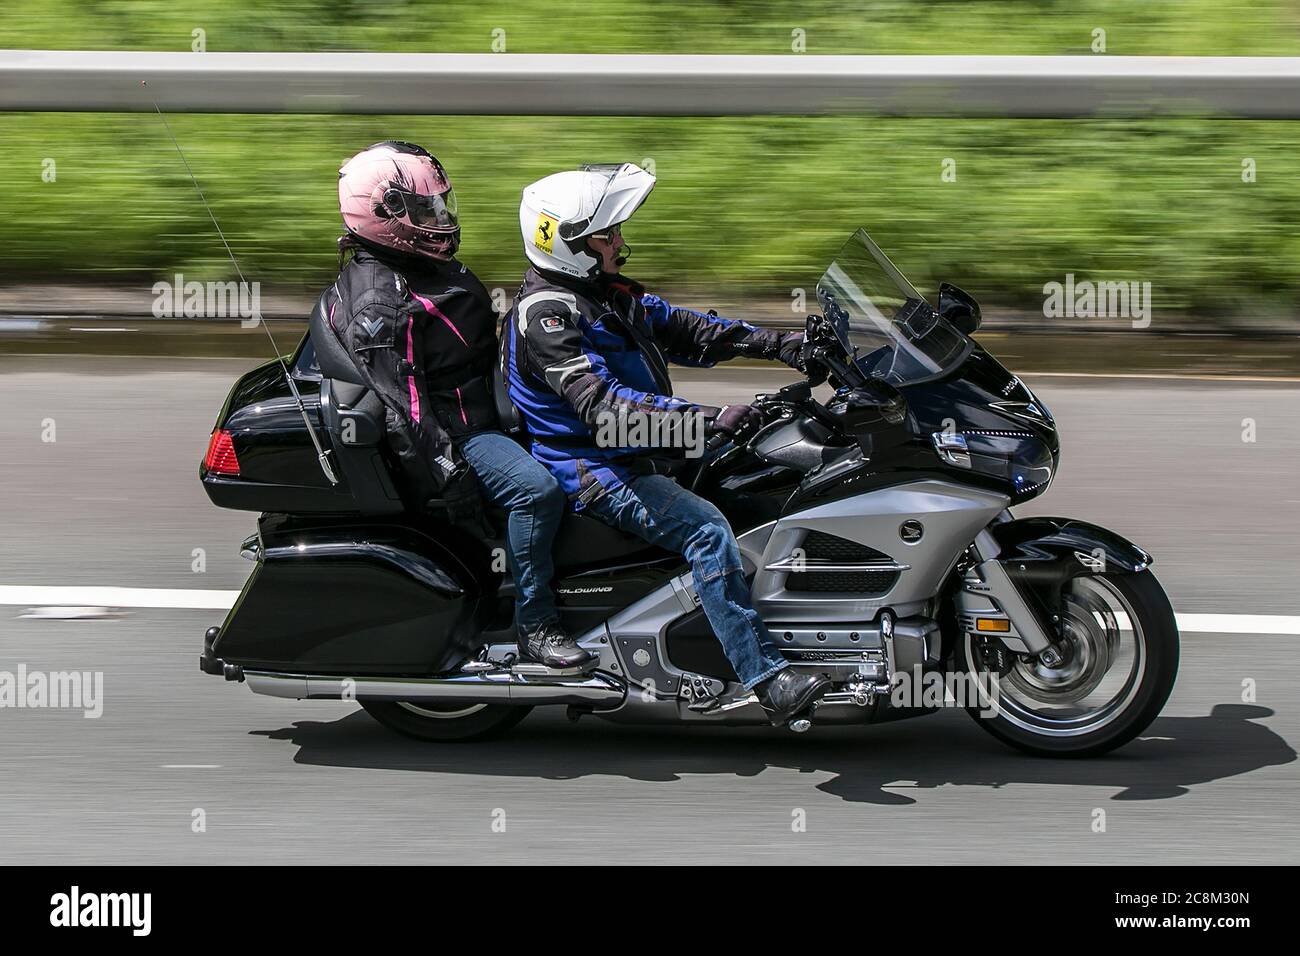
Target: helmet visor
{"x":613,"y":192}
{"x":436,"y":213}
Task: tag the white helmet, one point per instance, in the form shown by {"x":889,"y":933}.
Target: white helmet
{"x":559,"y":212}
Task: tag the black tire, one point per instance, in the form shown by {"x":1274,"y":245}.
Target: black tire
{"x":459,"y":723}
{"x":1151,"y":607}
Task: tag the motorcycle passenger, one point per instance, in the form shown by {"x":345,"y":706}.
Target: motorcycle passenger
{"x":584,"y":345}
{"x":420,"y":327}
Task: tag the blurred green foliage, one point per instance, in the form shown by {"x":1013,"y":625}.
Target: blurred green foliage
{"x":759,"y":203}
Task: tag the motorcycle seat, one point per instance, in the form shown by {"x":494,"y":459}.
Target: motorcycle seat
{"x":584,"y":541}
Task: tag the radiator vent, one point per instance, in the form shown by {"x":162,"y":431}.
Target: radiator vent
{"x":822,"y":548}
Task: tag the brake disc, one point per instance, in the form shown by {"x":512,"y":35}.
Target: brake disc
{"x":1088,"y":647}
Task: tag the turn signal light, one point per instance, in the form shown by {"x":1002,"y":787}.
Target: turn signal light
{"x":220,"y":459}
{"x":999,"y":624}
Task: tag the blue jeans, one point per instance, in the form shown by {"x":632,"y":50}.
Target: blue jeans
{"x":534,"y":504}
{"x":659,"y":510}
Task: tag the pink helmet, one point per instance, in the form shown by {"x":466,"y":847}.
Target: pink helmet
{"x":398,"y":196}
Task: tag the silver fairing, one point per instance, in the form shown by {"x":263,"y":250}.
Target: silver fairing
{"x":950,"y":516}
{"x":822,"y":627}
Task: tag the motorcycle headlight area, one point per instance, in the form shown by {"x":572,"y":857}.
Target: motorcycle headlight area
{"x":1020,"y":458}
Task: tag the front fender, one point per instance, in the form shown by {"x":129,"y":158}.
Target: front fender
{"x":1067,"y":546}
{"x":1042,"y":555}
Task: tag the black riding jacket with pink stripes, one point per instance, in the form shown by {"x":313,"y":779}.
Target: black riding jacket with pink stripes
{"x":423,"y":335}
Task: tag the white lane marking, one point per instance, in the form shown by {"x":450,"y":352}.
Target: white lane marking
{"x":191,"y":766}
{"x":1239,"y":623}
{"x":188,"y":599}
{"x":179,"y":598}
{"x":71,"y":612}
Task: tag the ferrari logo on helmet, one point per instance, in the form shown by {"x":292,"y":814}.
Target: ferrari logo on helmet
{"x":544,"y":237}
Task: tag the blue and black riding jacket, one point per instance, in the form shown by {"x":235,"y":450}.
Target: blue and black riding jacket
{"x":577,"y":354}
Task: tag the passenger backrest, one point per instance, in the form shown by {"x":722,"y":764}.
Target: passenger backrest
{"x":511,"y":422}
{"x":331,"y":356}
{"x":508,"y":416}
{"x":354,"y":420}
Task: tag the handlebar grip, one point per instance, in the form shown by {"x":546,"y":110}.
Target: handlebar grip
{"x":716,"y":441}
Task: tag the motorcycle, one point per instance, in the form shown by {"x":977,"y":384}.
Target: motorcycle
{"x":875,"y":524}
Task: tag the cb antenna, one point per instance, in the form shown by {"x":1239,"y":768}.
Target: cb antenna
{"x":322,"y":456}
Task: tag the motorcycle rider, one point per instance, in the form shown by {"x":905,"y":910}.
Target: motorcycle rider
{"x":584,"y":345}
{"x":421,"y":329}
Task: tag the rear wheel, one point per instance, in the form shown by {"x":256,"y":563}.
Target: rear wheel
{"x":1119,"y":656}
{"x":445,"y":723}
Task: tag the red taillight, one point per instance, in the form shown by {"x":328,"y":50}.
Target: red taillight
{"x":220,"y":459}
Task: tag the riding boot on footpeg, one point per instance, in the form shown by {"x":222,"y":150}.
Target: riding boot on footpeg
{"x":551,"y":645}
{"x":789,"y":693}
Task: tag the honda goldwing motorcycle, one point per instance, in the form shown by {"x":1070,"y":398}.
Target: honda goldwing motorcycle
{"x":875,"y":526}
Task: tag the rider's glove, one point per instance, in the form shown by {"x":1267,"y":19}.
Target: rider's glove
{"x":734,"y":419}
{"x":790,"y":350}
{"x":795,"y":350}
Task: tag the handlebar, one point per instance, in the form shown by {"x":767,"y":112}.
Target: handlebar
{"x":715,"y":442}
{"x":719,"y":440}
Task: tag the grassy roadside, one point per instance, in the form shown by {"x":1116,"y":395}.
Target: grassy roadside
{"x":748,"y":205}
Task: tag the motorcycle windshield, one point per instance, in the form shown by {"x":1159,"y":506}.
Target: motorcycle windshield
{"x":881,"y":320}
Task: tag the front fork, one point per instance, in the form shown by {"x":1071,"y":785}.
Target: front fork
{"x":1012,"y":586}
{"x":990,"y":605}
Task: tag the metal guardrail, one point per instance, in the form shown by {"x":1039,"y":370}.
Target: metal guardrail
{"x":1098,"y":85}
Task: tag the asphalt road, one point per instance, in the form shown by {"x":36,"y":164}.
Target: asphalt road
{"x":115,"y":500}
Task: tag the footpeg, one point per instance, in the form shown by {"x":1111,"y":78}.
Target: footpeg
{"x":702,"y":694}
{"x":512,"y":665}
{"x":533,"y":669}
{"x":800,"y":725}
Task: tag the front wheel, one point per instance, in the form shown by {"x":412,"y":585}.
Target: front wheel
{"x":1119,"y":653}
{"x":445,"y":723}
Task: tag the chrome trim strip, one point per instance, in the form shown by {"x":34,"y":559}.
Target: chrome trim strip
{"x":952,"y":448}
{"x":498,"y":686}
{"x":797,"y":565}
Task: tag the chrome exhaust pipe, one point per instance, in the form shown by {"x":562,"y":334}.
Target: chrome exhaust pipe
{"x":593,"y":689}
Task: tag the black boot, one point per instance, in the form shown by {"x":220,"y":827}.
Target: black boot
{"x":549,"y":644}
{"x":790,"y":692}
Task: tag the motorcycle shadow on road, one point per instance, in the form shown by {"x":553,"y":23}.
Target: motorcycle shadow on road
{"x":876,"y":765}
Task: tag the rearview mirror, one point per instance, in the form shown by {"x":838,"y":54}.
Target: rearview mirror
{"x":958,"y":308}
